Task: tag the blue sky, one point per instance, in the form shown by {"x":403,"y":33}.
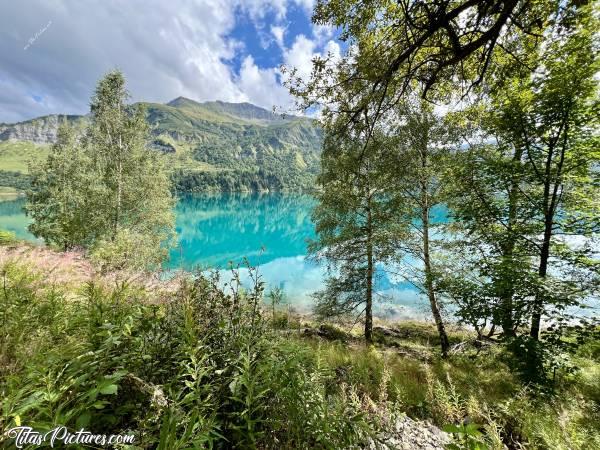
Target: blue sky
{"x":52,"y":52}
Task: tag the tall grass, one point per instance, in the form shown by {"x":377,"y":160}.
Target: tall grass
{"x":202,"y":370}
{"x":206,"y":367}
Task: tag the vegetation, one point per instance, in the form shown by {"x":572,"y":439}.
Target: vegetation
{"x":16,"y":155}
{"x":231,"y":180}
{"x":515,"y":199}
{"x":105,"y":191}
{"x":17,"y":181}
{"x":7,"y":237}
{"x":192,"y":365}
{"x":200,"y":370}
{"x":445,"y":47}
{"x":357,"y":228}
{"x":424,"y":143}
{"x":511,"y":159}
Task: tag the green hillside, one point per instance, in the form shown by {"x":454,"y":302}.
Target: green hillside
{"x":15,"y":155}
{"x":208,"y":146}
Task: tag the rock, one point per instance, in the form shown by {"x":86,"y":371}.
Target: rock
{"x":327,"y":332}
{"x":388,"y":332}
{"x":162,"y":146}
{"x":408,"y":434}
{"x":42,"y":130}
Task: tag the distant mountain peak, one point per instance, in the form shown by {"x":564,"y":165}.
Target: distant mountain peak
{"x":181,"y":101}
{"x":241,"y":110}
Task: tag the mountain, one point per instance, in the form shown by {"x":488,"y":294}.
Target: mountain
{"x":209,"y":146}
{"x":41,"y":130}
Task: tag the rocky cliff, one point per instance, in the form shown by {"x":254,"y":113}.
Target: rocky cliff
{"x":41,"y":130}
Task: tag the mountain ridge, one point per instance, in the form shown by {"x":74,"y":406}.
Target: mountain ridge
{"x":212,"y":143}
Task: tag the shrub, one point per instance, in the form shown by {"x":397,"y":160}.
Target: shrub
{"x":203,"y":370}
{"x":7,"y":237}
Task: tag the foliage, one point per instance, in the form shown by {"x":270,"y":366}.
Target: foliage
{"x":468,"y":437}
{"x":523,"y":198}
{"x":422,"y":143}
{"x":17,"y":180}
{"x":7,"y":237}
{"x":203,"y":146}
{"x":16,"y":155}
{"x":59,"y":200}
{"x":202,"y":369}
{"x":129,"y":250}
{"x":357,"y":226}
{"x":105,"y":188}
{"x":442,"y":48}
{"x":205,"y":368}
{"x":240,"y":181}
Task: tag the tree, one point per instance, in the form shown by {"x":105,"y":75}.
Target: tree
{"x":356,"y":224}
{"x":533,"y":184}
{"x":393,"y":47}
{"x":422,"y":142}
{"x":134,"y":197}
{"x":558,"y":127}
{"x":58,"y":201}
{"x":108,"y":193}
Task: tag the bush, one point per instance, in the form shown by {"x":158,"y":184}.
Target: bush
{"x":128,"y":251}
{"x":202,"y":370}
{"x":7,"y":237}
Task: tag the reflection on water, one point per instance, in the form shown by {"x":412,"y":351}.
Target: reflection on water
{"x":13,"y":218}
{"x":216,"y":229}
{"x":270,"y":230}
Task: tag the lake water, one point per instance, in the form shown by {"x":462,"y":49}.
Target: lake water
{"x":271,"y":230}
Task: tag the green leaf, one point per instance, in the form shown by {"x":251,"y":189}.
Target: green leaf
{"x":111,"y":389}
{"x":83,"y":420}
{"x":452,"y":429}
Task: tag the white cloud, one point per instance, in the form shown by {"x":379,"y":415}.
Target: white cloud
{"x":323,"y":32}
{"x":262,"y":86}
{"x":307,"y":5}
{"x":258,"y":9}
{"x":302,"y":52}
{"x":300,"y":55}
{"x":165,"y":49}
{"x":278,"y":33}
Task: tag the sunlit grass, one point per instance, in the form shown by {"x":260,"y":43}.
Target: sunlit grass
{"x":15,"y":156}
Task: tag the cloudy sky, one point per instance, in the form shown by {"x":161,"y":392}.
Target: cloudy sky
{"x":52,"y":52}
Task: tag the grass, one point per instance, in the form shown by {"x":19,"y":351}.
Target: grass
{"x":477,"y":386}
{"x":183,"y":157}
{"x":186,"y":365}
{"x":16,"y":155}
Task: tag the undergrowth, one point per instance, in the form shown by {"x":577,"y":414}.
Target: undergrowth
{"x":211,"y":367}
{"x":204,"y":370}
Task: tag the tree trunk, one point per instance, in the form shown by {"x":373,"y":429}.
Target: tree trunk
{"x":119,"y":191}
{"x":551,"y":200}
{"x":508,"y":247}
{"x":435,"y":310}
{"x":538,"y":306}
{"x":369,"y":299}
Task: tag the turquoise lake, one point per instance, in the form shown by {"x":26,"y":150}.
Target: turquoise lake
{"x":270,"y":230}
